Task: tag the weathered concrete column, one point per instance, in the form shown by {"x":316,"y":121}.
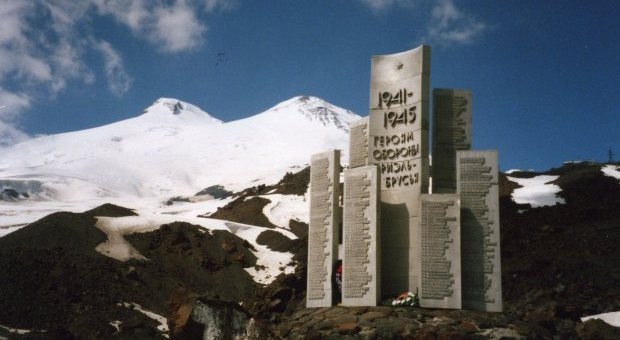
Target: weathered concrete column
{"x":451,"y":132}
{"x":358,"y":143}
{"x":361,"y":266}
{"x":398,"y":144}
{"x":440,"y":269}
{"x":481,"y":274}
{"x":323,"y":228}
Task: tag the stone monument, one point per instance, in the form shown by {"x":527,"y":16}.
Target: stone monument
{"x":440,"y":234}
{"x":323,"y":228}
{"x":477,"y":176}
{"x":361,"y":281}
{"x":396,"y":237}
{"x":398,"y":144}
{"x":451,"y":132}
{"x":358,"y":143}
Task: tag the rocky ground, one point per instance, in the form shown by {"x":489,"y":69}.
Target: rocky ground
{"x":559,"y":263}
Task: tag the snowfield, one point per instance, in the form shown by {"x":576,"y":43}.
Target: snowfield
{"x":172,"y":149}
{"x":612,"y":318}
{"x":537,"y":191}
{"x":611,"y":171}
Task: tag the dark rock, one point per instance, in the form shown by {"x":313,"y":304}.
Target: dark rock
{"x":215,"y":191}
{"x":348,"y":328}
{"x":597,"y":329}
{"x":213,"y":319}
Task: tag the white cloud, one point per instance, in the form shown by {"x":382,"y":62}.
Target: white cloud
{"x":43,"y":44}
{"x":171,"y":27}
{"x":11,"y":105}
{"x":380,"y":5}
{"x":119,"y":81}
{"x":449,"y":25}
{"x":225,"y":5}
{"x":177,"y":28}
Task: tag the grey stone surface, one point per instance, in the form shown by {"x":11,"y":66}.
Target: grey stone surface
{"x":358,"y":143}
{"x":398,"y":144}
{"x":477,"y":182}
{"x":361,"y":263}
{"x":323,"y":228}
{"x":440,"y":252}
{"x":451,"y":132}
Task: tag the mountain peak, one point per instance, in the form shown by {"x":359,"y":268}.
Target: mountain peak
{"x":171,"y":107}
{"x":317,"y":109}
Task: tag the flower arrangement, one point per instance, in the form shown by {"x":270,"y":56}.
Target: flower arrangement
{"x":406,"y":299}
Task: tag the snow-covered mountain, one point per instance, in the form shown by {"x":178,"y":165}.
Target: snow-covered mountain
{"x":172,"y":149}
{"x":175,"y":148}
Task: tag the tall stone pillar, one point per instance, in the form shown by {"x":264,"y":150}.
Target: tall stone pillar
{"x":440,"y":269}
{"x":325,"y":217}
{"x":451,"y":133}
{"x":361,"y":281}
{"x":398,"y":144}
{"x":358,"y":143}
{"x":481,"y":274}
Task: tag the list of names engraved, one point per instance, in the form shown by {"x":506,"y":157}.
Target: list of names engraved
{"x":480,"y":231}
{"x":320,"y":214}
{"x":437,"y":227}
{"x":357,"y":236}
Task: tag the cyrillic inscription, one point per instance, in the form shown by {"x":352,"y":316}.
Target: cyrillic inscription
{"x":437,"y":281}
{"x":481,"y":274}
{"x":357,"y":236}
{"x":451,"y":132}
{"x":358,"y":143}
{"x":320,"y":211}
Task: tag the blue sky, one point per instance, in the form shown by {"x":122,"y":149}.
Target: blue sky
{"x":545,"y":75}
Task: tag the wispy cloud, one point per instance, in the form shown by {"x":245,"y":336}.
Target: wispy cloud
{"x":43,"y":45}
{"x":11,"y":105}
{"x":119,"y":81}
{"x":171,"y":27}
{"x":380,"y":5}
{"x":449,"y":25}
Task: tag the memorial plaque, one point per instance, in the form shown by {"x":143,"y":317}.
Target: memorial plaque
{"x":361,"y":263}
{"x":440,"y":251}
{"x":358,"y":143}
{"x":323,"y":227}
{"x":398,"y":144}
{"x":451,"y":133}
{"x":477,"y":183}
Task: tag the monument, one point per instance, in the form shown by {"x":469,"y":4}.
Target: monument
{"x":398,"y":144}
{"x":451,"y":132}
{"x":440,"y":254}
{"x":397,"y":237}
{"x":358,"y":143}
{"x":323,"y":228}
{"x":477,"y":176}
{"x":361,"y":282}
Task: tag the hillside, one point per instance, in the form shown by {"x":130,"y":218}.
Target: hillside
{"x":560,"y":262}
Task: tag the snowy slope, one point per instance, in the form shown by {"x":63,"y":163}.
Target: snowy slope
{"x":537,"y":191}
{"x":172,"y":149}
{"x":175,"y":148}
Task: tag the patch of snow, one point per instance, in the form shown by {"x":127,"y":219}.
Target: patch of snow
{"x":116,"y":324}
{"x":163,"y":322}
{"x":512,"y":171}
{"x":269,"y":263}
{"x":16,"y":330}
{"x":116,"y":246}
{"x":612,"y":318}
{"x":612,"y":171}
{"x":284,"y":208}
{"x":537,"y":191}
